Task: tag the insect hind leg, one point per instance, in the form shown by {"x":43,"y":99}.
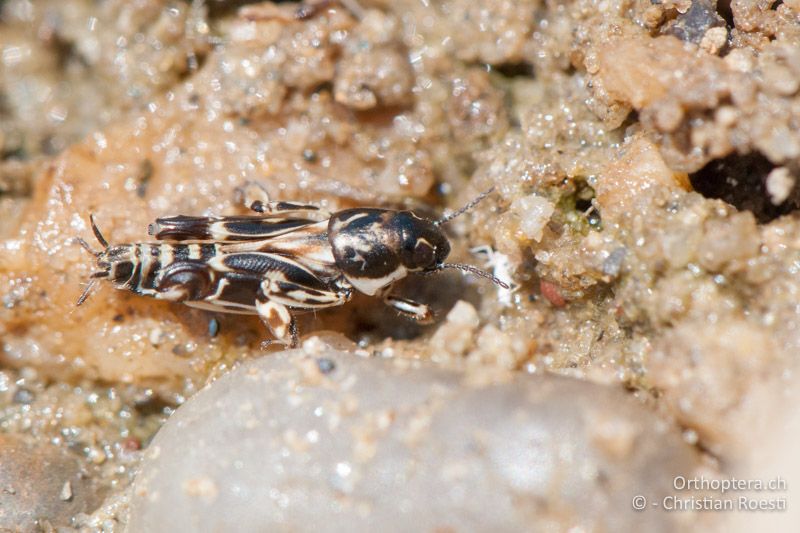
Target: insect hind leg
{"x":185,"y":281}
{"x":279,"y":320}
{"x":255,"y":197}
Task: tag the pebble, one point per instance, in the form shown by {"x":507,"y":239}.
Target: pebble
{"x":780,"y":184}
{"x":403,"y":445}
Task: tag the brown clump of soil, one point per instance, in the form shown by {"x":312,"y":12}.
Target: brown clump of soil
{"x":644,"y":159}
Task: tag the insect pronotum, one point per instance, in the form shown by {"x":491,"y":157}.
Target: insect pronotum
{"x":281,"y":261}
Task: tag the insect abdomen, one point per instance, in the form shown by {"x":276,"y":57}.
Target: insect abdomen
{"x":156,"y":268}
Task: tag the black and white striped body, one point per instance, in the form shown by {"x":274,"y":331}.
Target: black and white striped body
{"x":277,"y":263}
{"x":142,"y":267}
{"x":229,"y":276}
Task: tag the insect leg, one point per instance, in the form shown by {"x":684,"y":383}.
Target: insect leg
{"x":256,"y":198}
{"x":286,"y":281}
{"x":409,"y":308}
{"x":277,"y":297}
{"x":278,"y":319}
{"x":185,"y":281}
{"x":306,"y":297}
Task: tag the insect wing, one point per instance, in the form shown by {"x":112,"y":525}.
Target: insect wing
{"x":237,"y":228}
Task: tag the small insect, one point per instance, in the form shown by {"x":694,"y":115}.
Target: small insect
{"x":282,"y":261}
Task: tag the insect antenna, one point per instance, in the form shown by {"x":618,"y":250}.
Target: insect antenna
{"x":99,"y":236}
{"x":450,"y":216}
{"x":85,"y":246}
{"x":95,"y":275}
{"x":475,"y":270}
{"x":86,"y":291}
{"x":89,"y":286}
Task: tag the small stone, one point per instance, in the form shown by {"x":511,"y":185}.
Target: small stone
{"x":780,"y":184}
{"x":456,"y":335}
{"x":726,"y":116}
{"x":552,"y":293}
{"x":415,"y":442}
{"x":326,"y":366}
{"x":696,"y":18}
{"x":714,"y":39}
{"x":463,"y":314}
{"x":66,"y":492}
{"x":309,"y":155}
{"x":213,"y":327}
{"x":534,"y":212}
{"x":96,"y":455}
{"x":23,"y":396}
{"x":613,"y":262}
{"x":156,"y":336}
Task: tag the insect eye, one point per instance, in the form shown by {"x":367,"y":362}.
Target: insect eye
{"x":423,"y":253}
